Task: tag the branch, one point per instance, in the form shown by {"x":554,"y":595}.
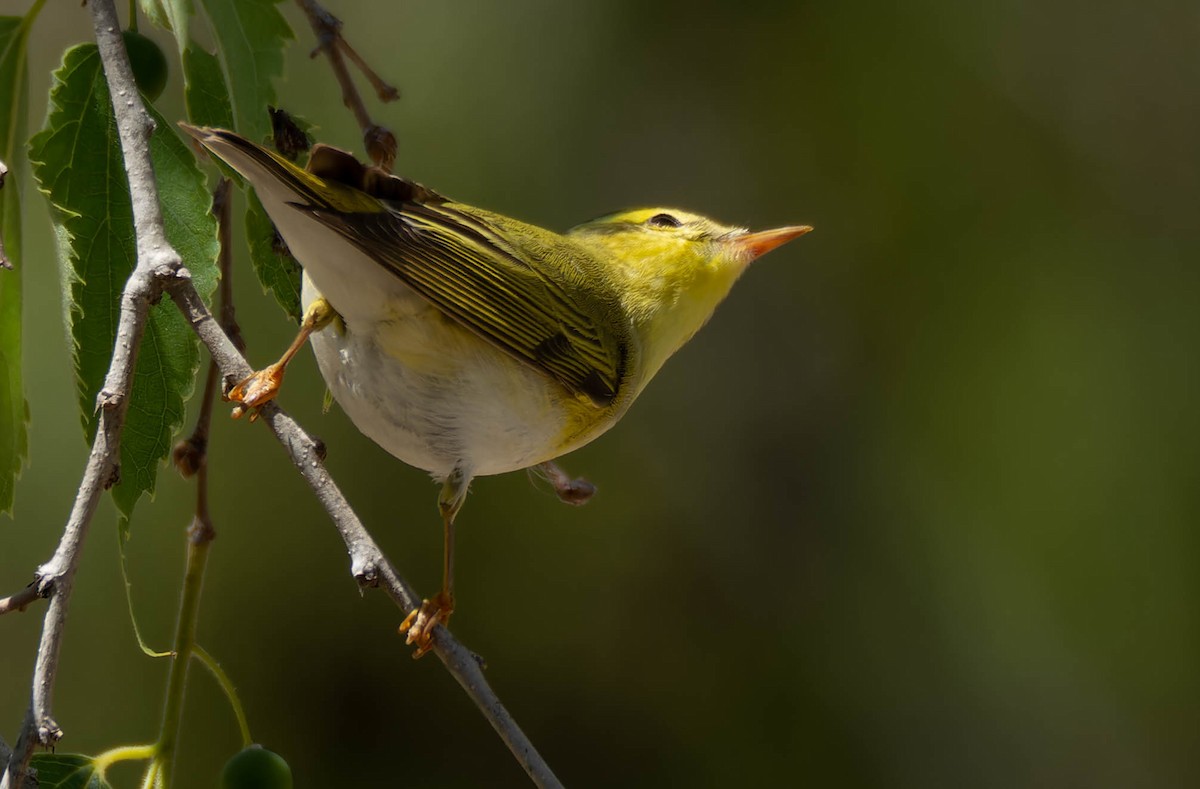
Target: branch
{"x":156,"y":260}
{"x":18,"y":601}
{"x":30,"y":781}
{"x":383,"y":90}
{"x":380,"y":143}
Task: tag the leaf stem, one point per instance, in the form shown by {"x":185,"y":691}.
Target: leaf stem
{"x":151,"y":778}
{"x":239,"y":712}
{"x":32,"y":14}
{"x":124,"y":753}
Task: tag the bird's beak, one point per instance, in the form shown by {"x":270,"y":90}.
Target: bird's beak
{"x":754,"y":245}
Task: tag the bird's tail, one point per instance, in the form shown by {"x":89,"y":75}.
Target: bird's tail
{"x":276,"y":179}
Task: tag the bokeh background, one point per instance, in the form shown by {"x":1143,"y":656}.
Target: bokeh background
{"x":917,"y":508}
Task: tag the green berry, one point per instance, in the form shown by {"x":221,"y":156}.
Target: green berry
{"x":148,"y":62}
{"x":256,"y":768}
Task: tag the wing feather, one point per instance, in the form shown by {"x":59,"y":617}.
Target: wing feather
{"x":468,"y":269}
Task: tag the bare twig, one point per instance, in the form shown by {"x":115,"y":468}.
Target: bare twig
{"x":18,"y":601}
{"x":156,"y":260}
{"x":30,"y":781}
{"x":5,"y":754}
{"x":380,"y":143}
{"x":383,"y":90}
{"x":191,"y":458}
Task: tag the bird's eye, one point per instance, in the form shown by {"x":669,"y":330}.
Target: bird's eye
{"x":663,"y":220}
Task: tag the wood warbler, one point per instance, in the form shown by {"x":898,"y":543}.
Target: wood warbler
{"x":467,"y":343}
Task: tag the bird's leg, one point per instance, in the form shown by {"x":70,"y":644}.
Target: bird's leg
{"x":576,"y":491}
{"x":263,"y":386}
{"x":419,"y":624}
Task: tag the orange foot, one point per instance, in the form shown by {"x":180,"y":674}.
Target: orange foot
{"x":260,"y":388}
{"x":420,"y":623}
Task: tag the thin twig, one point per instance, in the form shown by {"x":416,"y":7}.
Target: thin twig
{"x":380,"y":143}
{"x":194,"y":453}
{"x":18,"y":601}
{"x":6,"y":755}
{"x":156,"y":261}
{"x":30,"y":780}
{"x":383,"y":90}
{"x":191,"y":454}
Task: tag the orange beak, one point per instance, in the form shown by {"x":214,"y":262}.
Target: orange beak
{"x":755,"y":245}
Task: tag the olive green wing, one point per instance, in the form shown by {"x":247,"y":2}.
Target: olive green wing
{"x":473,"y":272}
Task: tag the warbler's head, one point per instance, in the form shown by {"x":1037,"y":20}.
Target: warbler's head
{"x":675,"y":267}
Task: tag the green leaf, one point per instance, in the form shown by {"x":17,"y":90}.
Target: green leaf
{"x":173,"y":15}
{"x":279,"y":273}
{"x":250,"y":35}
{"x":67,"y":771}
{"x":14,"y":411}
{"x":205,"y":93}
{"x":78,"y":164}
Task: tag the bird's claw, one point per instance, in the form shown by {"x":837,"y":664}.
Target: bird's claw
{"x":419,"y":624}
{"x":254,"y":392}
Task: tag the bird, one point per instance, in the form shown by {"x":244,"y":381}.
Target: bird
{"x":467,"y":343}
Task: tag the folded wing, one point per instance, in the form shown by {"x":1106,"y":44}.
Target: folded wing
{"x":467,"y":269}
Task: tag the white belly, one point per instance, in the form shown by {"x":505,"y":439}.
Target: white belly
{"x":435,"y":396}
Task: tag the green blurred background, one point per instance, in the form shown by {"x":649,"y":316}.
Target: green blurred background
{"x":918,"y":508}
